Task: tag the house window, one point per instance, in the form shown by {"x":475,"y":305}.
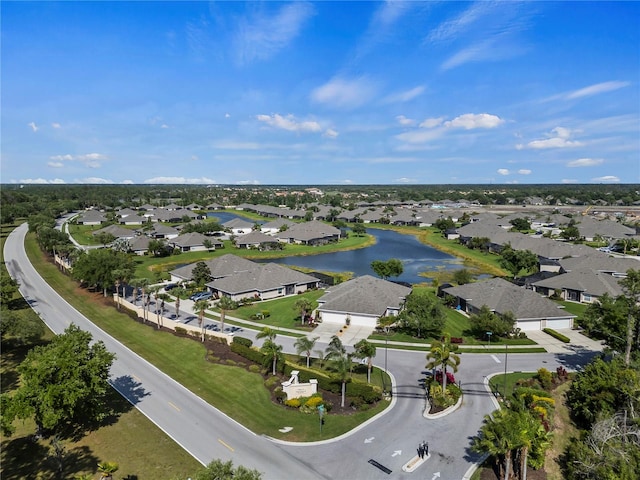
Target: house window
{"x":587,"y":297}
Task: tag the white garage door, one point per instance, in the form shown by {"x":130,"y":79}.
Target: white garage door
{"x":529,"y":325}
{"x":559,"y":323}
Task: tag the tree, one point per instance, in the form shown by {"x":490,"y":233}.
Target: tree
{"x":462,"y":276}
{"x":444,"y":224}
{"x":365,"y":349}
{"x":105,"y":238}
{"x":442,"y":354}
{"x":219,"y":470}
{"x":23,"y":329}
{"x":272,"y":352}
{"x":268,"y":333}
{"x":303,"y":306}
{"x":359,"y":229}
{"x":201,"y":306}
{"x":157,"y":247}
{"x":571,"y":232}
{"x":177,"y":307}
{"x":63,"y":383}
{"x":520,"y":224}
{"x":391,"y":268}
{"x":8,"y":288}
{"x":517,"y":260}
{"x":201,"y":274}
{"x":487,"y":321}
{"x":107,"y":469}
{"x":98,"y":267}
{"x":606,"y":319}
{"x":305,"y":345}
{"x":225,"y":303}
{"x":340,"y":362}
{"x":423,"y":314}
{"x":498,"y":438}
{"x":631,"y":288}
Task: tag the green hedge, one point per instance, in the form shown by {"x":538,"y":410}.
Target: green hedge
{"x":247,"y":342}
{"x":557,"y":335}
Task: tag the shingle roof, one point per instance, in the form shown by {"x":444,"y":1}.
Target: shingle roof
{"x":262,"y":278}
{"x":586,"y":281}
{"x":220,"y":266}
{"x":255,"y":238}
{"x":192,"y":239}
{"x":116,"y":231}
{"x":502,"y":297}
{"x":366,"y":294}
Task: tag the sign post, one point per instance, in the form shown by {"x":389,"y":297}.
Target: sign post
{"x":321,"y":415}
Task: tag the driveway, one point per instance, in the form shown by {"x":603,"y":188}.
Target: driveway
{"x":579,"y":342}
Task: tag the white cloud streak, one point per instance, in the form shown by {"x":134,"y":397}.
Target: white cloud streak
{"x":585,"y":162}
{"x":289,"y":123}
{"x":597,"y":89}
{"x":179,"y":181}
{"x":33,"y":126}
{"x":606,"y":179}
{"x":344,"y":93}
{"x":559,"y":137}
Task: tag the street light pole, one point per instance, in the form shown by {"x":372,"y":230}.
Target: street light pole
{"x":505,"y":371}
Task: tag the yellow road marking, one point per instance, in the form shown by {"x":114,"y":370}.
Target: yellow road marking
{"x":225,"y":445}
{"x":174,"y":406}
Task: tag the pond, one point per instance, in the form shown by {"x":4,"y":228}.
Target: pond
{"x":416,"y":257}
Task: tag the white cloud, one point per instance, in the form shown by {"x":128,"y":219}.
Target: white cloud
{"x":55,"y":181}
{"x":431,"y":122}
{"x":344,"y":93}
{"x":56,"y":125}
{"x":227,"y":115}
{"x":91,"y":160}
{"x":606,"y":179}
{"x":421,"y":136}
{"x":179,"y":180}
{"x":585,"y":162}
{"x":558,"y":138}
{"x":405,"y":180}
{"x":289,"y":123}
{"x":127,"y":182}
{"x":95,"y":180}
{"x":33,"y":126}
{"x":524,"y":171}
{"x":503,"y":171}
{"x":248,"y":182}
{"x":404,"y":121}
{"x":568,"y":180}
{"x":452,"y":28}
{"x":262,"y":36}
{"x":406,"y":95}
{"x":330,"y":133}
{"x":470,"y":121}
{"x":596,"y":89}
{"x":55,"y":164}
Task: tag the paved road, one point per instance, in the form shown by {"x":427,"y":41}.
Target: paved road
{"x":391,"y":439}
{"x":198,"y":427}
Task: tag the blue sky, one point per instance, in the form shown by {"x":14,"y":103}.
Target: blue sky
{"x":321,"y":92}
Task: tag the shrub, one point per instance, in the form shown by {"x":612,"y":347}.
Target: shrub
{"x":271,"y":381}
{"x":250,"y":354}
{"x":545,"y":378}
{"x":265,"y":313}
{"x":293,"y":403}
{"x":254,"y":368}
{"x":247,"y":342}
{"x":314,"y":401}
{"x":181,"y":331}
{"x":556,"y":335}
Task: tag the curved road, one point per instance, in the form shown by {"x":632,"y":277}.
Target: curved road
{"x":390,"y":440}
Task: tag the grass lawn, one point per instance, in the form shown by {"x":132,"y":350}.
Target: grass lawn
{"x":563,"y":431}
{"x":282,"y":311}
{"x":497,"y":381}
{"x":238,"y":393}
{"x":574,"y":308}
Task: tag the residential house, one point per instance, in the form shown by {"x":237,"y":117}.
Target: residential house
{"x":162,"y":231}
{"x":91,"y":217}
{"x":263,"y":282}
{"x":116,"y":231}
{"x":273,"y":227}
{"x":194,"y":242}
{"x":531,"y":310}
{"x":582,"y":285}
{"x":256,"y":239}
{"x":310,"y":233}
{"x":238,"y":226}
{"x":219,"y":267}
{"x":361,"y":301}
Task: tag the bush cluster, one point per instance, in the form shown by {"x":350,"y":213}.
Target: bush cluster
{"x":556,"y":335}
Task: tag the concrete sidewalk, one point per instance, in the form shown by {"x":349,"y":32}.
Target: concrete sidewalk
{"x":578,"y":341}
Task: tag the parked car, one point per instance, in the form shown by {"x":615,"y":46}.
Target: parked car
{"x":200,"y":296}
{"x":170,"y":286}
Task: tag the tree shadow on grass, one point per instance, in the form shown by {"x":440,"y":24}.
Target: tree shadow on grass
{"x":25,"y":458}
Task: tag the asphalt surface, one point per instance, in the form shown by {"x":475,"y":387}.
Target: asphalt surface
{"x":375,"y":450}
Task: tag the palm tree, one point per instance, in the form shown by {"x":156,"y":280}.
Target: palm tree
{"x":498,"y":439}
{"x":107,"y":469}
{"x":177,"y":307}
{"x":303,"y":306}
{"x":305,"y":345}
{"x":201,"y":306}
{"x":268,"y":333}
{"x":365,"y":349}
{"x":441,"y":354}
{"x":272,"y":352}
{"x":155,"y":291}
{"x":339,"y":361}
{"x":531,"y":437}
{"x":225,"y":303}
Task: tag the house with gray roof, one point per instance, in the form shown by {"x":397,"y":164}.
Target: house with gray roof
{"x":263,"y":282}
{"x":582,"y":285}
{"x":310,"y":233}
{"x":362,"y":300}
{"x":139,"y":245}
{"x":219,"y":267}
{"x":194,"y":242}
{"x":116,"y":231}
{"x":91,"y":217}
{"x":238,"y":226}
{"x":275,"y":226}
{"x":160,"y":230}
{"x":259,"y":240}
{"x":531,"y":310}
